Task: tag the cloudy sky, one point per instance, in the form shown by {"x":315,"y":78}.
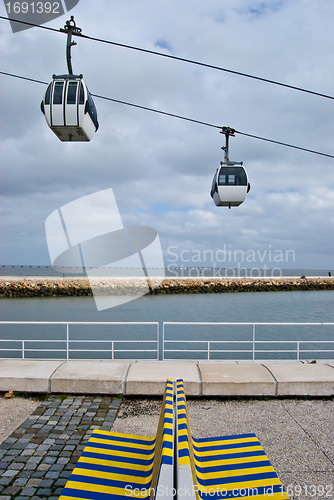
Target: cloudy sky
{"x":161,"y":168}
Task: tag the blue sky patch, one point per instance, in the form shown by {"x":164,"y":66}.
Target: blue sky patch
{"x":162,"y":44}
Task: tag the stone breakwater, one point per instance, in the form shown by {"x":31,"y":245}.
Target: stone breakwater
{"x":59,"y":287}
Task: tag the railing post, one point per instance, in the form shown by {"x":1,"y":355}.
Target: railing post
{"x":297,"y":350}
{"x":22,"y":349}
{"x":163,"y":341}
{"x":253,"y":342}
{"x":112,"y":349}
{"x":158,"y":343}
{"x":209,"y":350}
{"x":67,"y":341}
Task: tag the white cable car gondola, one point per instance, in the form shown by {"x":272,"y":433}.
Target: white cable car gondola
{"x":69,"y":109}
{"x":68,"y":106}
{"x":230,"y":183}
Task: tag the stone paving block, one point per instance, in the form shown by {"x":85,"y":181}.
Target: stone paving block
{"x":11,"y":490}
{"x":21,"y":481}
{"x":46,"y":492}
{"x":28,"y":491}
{"x":9,"y":473}
{"x":5,"y":481}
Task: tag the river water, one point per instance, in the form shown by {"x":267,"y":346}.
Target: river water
{"x":259,"y":307}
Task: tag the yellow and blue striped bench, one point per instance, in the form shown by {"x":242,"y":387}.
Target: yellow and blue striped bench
{"x":221,"y":467}
{"x":115,"y":465}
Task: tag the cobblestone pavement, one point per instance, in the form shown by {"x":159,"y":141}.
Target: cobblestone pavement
{"x":38,"y":458}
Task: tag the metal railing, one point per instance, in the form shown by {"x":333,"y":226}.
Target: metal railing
{"x":112,"y":344}
{"x":208,"y":348}
{"x":163,"y":347}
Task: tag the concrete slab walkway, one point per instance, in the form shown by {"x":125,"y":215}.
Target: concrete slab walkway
{"x":201,"y":378}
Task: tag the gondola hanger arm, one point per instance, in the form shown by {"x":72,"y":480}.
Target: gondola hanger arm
{"x":71,"y":29}
{"x":227,"y":131}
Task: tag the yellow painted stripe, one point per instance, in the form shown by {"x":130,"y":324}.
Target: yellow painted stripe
{"x":104,"y":451}
{"x":167,"y":452}
{"x":222,"y":442}
{"x":123,"y":436}
{"x":276,"y":496}
{"x":65,"y":497}
{"x":183,"y":446}
{"x":227,"y":452}
{"x":230,"y":473}
{"x":228,"y":461}
{"x":110,"y":490}
{"x":126,"y":478}
{"x":120,"y":435}
{"x":184,"y":432}
{"x":123,"y":444}
{"x":241,"y":485}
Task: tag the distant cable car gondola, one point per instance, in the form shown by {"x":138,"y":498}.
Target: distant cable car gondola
{"x":230,"y":183}
{"x":68,"y":106}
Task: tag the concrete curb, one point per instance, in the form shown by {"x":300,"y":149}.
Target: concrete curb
{"x":139,"y":378}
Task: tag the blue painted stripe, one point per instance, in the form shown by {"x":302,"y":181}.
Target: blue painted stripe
{"x":222,"y":447}
{"x":130,"y":439}
{"x":225,"y":438}
{"x":137,"y":451}
{"x":167,"y":460}
{"x":235,"y":466}
{"x":114,"y":470}
{"x":243,"y":492}
{"x":137,"y":461}
{"x":107,"y":482}
{"x":182,"y":425}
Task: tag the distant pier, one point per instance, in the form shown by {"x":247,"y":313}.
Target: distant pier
{"x":19,"y":286}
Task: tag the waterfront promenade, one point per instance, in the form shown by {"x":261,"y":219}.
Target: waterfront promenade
{"x":139,"y":378}
{"x":37,"y":458}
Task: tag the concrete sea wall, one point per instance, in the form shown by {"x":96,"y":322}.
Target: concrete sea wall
{"x":69,"y":286}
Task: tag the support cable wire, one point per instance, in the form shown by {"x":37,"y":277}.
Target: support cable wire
{"x":180,"y":117}
{"x":183,"y":59}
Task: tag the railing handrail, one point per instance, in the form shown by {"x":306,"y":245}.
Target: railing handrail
{"x":241,"y":323}
{"x":68,"y":341}
{"x":254,"y":343}
{"x":79,"y":322}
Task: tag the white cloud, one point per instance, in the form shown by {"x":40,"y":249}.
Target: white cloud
{"x":161,"y":168}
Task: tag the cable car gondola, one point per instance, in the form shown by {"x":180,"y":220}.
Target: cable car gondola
{"x":230,"y":183}
{"x":68,"y":106}
{"x":69,"y":109}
